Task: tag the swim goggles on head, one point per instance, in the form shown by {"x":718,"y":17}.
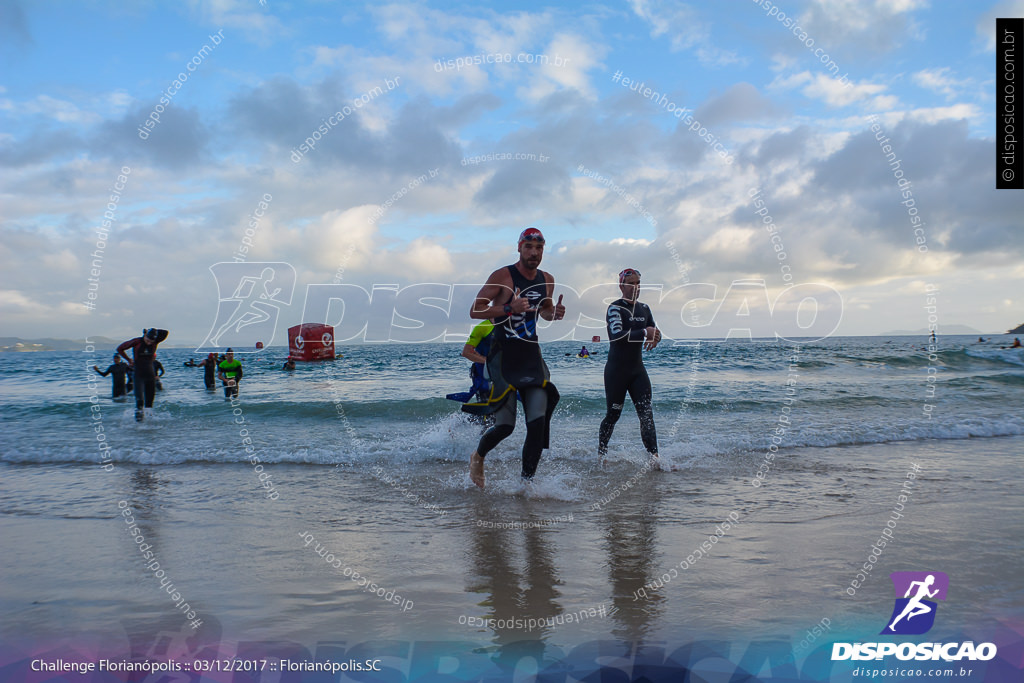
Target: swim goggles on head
{"x":627,"y":272}
{"x":531,"y":235}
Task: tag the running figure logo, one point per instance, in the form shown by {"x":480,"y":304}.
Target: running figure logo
{"x":916,"y":592}
{"x":249,"y":314}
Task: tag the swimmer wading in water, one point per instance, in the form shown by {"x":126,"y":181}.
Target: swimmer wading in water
{"x":120,"y":372}
{"x":144,"y":353}
{"x":512,"y":298}
{"x":631,"y":330}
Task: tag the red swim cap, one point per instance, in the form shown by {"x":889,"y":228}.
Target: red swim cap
{"x":627,"y":272}
{"x":531,"y":235}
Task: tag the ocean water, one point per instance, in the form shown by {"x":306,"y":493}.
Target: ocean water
{"x":383,"y":404}
{"x":364,"y":458}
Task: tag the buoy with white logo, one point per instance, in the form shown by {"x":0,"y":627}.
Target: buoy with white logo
{"x":311,"y":341}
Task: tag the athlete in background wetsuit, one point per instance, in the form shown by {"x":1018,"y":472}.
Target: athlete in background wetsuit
{"x":209,"y":365}
{"x":120,"y":372}
{"x":476,"y":349}
{"x":513,"y":297}
{"x":631,"y":329}
{"x":143,"y":354}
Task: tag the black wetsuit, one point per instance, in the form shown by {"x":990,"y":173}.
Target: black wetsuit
{"x":209,"y":373}
{"x":120,"y":373}
{"x":522,"y":367}
{"x":624,"y":371}
{"x":158,"y":368}
{"x":145,"y":375}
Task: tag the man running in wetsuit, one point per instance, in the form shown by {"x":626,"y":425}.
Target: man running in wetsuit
{"x":230,"y":374}
{"x":631,"y":329}
{"x":209,"y":365}
{"x":120,"y":372}
{"x":513,"y":297}
{"x":144,"y":353}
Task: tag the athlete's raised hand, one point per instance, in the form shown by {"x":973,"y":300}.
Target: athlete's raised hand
{"x":559,"y":309}
{"x":653,"y":337}
{"x":518,"y":304}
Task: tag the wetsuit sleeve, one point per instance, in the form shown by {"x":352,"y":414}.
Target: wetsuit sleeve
{"x":107,"y":371}
{"x":158,"y":366}
{"x":613,"y":319}
{"x":638,"y":328}
{"x":239,"y":375}
{"x":130,"y":344}
{"x":479,"y":332}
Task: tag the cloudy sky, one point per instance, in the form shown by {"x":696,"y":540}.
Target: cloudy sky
{"x":413,"y":176}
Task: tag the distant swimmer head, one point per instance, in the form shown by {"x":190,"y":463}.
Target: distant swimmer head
{"x":531,"y":247}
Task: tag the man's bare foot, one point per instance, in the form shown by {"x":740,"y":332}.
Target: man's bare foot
{"x":476,"y":469}
{"x":656,"y":463}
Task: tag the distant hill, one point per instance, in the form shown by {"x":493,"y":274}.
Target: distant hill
{"x":1017,"y":330}
{"x":17,"y":344}
{"x":943,"y":329}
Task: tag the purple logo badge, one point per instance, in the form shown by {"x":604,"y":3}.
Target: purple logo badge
{"x":916,"y":593}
